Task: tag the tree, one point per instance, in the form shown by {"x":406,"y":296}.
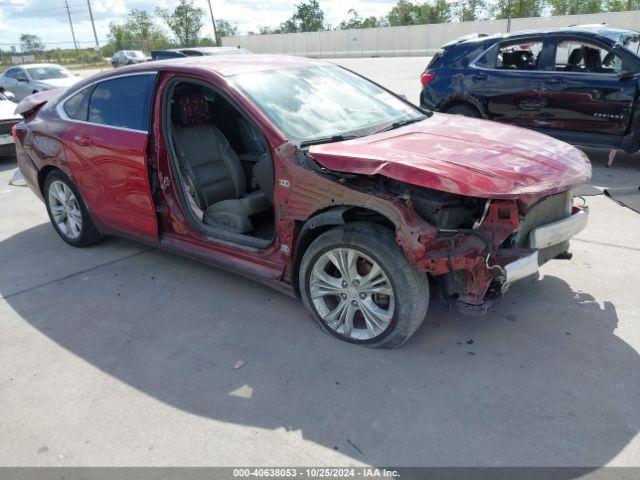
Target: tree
{"x":406,"y":13}
{"x":356,"y":21}
{"x":185,"y":22}
{"x":518,"y":8}
{"x":621,"y":5}
{"x":307,"y":17}
{"x":403,"y":13}
{"x":576,"y":7}
{"x":137,"y":31}
{"x":470,"y":10}
{"x":226,"y":28}
{"x":31,"y":43}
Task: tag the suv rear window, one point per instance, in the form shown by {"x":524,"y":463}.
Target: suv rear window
{"x":519,"y":56}
{"x":436,"y":61}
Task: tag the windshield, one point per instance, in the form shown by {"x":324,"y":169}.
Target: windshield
{"x":629,"y":40}
{"x":134,"y":54}
{"x":48,"y":72}
{"x":319,"y":102}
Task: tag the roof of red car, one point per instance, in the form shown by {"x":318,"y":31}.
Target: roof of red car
{"x":226,"y":65}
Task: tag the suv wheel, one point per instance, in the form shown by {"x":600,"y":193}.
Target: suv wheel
{"x":465,"y":110}
{"x":68,"y":213}
{"x":359,"y":286}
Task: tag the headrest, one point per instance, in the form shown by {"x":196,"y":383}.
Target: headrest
{"x":576,"y":56}
{"x":191,"y":109}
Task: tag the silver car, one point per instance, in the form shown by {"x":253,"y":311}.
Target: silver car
{"x":25,"y":80}
{"x":8,"y":119}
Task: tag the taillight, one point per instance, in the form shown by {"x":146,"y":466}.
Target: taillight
{"x":426,"y":78}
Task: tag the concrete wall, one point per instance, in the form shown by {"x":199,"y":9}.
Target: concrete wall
{"x":416,"y":40}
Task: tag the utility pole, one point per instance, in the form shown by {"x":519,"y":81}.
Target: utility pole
{"x":73,"y":34}
{"x":213,"y":22}
{"x":509,"y":16}
{"x":93,"y":25}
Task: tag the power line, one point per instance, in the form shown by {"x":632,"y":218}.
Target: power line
{"x":73,"y":34}
{"x":93,"y":25}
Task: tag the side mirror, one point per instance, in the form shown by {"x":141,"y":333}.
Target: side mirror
{"x":21,"y":79}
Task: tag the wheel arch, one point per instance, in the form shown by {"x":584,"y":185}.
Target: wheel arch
{"x":325,"y":220}
{"x":463,"y":99}
{"x":44,"y":172}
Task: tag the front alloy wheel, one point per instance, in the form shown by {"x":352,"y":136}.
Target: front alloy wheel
{"x":352,"y":294}
{"x":359,"y":286}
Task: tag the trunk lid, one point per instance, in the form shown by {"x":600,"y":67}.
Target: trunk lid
{"x":464,"y":156}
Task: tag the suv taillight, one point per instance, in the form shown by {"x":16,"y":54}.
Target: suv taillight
{"x":426,"y":78}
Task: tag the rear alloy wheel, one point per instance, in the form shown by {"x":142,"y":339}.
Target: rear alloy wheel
{"x":464,"y":110}
{"x":68,"y":213}
{"x":348,"y":280}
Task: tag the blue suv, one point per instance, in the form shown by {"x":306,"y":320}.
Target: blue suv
{"x":578,"y":84}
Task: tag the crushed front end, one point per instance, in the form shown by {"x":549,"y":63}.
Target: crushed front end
{"x":480,"y":247}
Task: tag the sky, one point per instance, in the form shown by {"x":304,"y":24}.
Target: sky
{"x":48,"y":18}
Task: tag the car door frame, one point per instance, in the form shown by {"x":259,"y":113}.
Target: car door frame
{"x":487,"y":96}
{"x":180,"y":230}
{"x":578,"y":134}
{"x":97,"y":153}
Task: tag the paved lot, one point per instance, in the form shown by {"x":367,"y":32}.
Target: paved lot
{"x":122,"y":355}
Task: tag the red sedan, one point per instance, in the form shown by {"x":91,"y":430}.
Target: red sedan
{"x":307,"y":177}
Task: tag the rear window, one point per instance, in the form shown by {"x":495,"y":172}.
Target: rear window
{"x":522,"y":55}
{"x":122,"y":102}
{"x":77,"y":107}
{"x":436,"y":61}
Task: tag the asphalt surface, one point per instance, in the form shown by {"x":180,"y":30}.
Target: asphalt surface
{"x":123,"y":355}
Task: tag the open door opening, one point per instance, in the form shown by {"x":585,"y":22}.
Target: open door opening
{"x":223,"y":163}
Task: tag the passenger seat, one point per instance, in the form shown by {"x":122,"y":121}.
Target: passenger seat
{"x":214,"y":170}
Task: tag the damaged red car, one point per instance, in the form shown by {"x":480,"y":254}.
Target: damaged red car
{"x":307,"y":177}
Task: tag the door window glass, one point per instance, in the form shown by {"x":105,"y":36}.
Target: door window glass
{"x":576,"y":56}
{"x":519,"y":56}
{"x":122,"y":102}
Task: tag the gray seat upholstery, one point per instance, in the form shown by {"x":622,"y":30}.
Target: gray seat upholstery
{"x":213,"y":169}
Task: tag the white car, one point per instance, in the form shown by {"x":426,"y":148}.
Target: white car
{"x":8,"y":119}
{"x":25,"y":80}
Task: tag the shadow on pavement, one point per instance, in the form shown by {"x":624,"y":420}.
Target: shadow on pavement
{"x":541,"y":380}
{"x":625,"y":171}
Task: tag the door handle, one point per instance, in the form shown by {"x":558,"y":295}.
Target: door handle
{"x":556,"y":81}
{"x":83,"y":140}
{"x":480,"y":76}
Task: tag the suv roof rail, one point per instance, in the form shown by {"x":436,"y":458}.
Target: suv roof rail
{"x":464,"y":38}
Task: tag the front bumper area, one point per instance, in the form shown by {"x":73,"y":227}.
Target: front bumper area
{"x":557,"y":232}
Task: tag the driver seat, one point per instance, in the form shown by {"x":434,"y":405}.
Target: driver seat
{"x":213,"y":171}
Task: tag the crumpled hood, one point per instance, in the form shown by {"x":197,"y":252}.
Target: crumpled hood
{"x":464,"y":156}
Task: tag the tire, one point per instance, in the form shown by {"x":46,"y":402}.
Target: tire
{"x":334,"y":306}
{"x":465,"y":110}
{"x":68,"y":213}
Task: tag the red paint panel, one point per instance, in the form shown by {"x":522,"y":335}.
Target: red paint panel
{"x":109,"y":167}
{"x":464,"y":156}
